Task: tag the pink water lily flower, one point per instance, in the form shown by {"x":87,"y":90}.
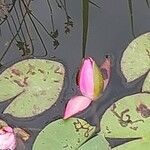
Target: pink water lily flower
{"x":7,"y":138}
{"x":92,"y":82}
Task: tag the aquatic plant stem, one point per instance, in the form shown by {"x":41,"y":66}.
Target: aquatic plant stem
{"x":14,"y":37}
{"x":131,"y":17}
{"x":85,"y":17}
{"x":32,"y":45}
{"x":15,"y":26}
{"x":51,"y":15}
{"x":27,"y":9}
{"x":17,"y":15}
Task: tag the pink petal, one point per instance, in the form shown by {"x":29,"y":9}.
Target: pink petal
{"x":8,"y":129}
{"x":7,"y":139}
{"x":86,"y":79}
{"x":75,"y":105}
{"x":106,"y":70}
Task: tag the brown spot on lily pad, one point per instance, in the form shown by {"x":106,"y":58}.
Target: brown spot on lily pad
{"x":41,"y":71}
{"x":107,"y":128}
{"x":16,"y":72}
{"x":79,"y":126}
{"x":22,"y":83}
{"x":148,"y":53}
{"x":58,"y":71}
{"x":144,"y":110}
{"x":31,"y":69}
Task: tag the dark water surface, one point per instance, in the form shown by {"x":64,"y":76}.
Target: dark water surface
{"x":110,"y":31}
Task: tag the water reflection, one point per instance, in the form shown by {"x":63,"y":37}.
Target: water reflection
{"x":20,"y":20}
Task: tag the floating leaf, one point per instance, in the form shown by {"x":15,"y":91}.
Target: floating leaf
{"x":38,"y":83}
{"x":96,"y":143}
{"x":129,"y":116}
{"x":136,"y":144}
{"x":146,"y":85}
{"x":63,"y":134}
{"x":136,"y":58}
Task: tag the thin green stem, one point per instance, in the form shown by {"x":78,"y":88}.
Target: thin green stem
{"x":15,"y":26}
{"x":13,"y":4}
{"x":32,"y":45}
{"x":94,"y":4}
{"x":41,"y":25}
{"x":51,"y":15}
{"x":27,"y":9}
{"x":19,"y":23}
{"x":14,"y":37}
{"x":9,"y":26}
{"x":131,"y":16}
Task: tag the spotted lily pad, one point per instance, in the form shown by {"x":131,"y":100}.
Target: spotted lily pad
{"x":128,"y":118}
{"x":63,"y":134}
{"x":96,"y":143}
{"x":36,"y":83}
{"x":136,"y":58}
{"x":146,"y":84}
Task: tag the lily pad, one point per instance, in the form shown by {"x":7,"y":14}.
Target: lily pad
{"x":35,"y":84}
{"x":146,"y":84}
{"x":63,"y":134}
{"x":136,"y":144}
{"x":128,"y":118}
{"x":136,"y":58}
{"x":96,"y":143}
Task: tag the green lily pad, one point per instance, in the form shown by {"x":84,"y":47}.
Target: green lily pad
{"x":146,"y":84}
{"x":136,"y":144}
{"x":36,"y":83}
{"x":96,"y":143}
{"x":63,"y":134}
{"x":136,"y":58}
{"x":128,"y":118}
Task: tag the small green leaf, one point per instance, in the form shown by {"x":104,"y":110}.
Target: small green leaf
{"x":136,"y":144}
{"x":96,"y":143}
{"x":128,"y":118}
{"x":136,"y":58}
{"x":63,"y":134}
{"x":146,"y":84}
{"x":36,"y":83}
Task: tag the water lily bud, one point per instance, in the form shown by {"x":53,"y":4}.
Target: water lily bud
{"x":75,"y":105}
{"x":7,"y":138}
{"x":91,"y":81}
{"x":106,"y":70}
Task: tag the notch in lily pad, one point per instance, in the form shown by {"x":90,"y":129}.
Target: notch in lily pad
{"x":129,"y":118}
{"x":64,"y":134}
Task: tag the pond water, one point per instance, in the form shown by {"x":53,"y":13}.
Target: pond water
{"x":110,"y":31}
